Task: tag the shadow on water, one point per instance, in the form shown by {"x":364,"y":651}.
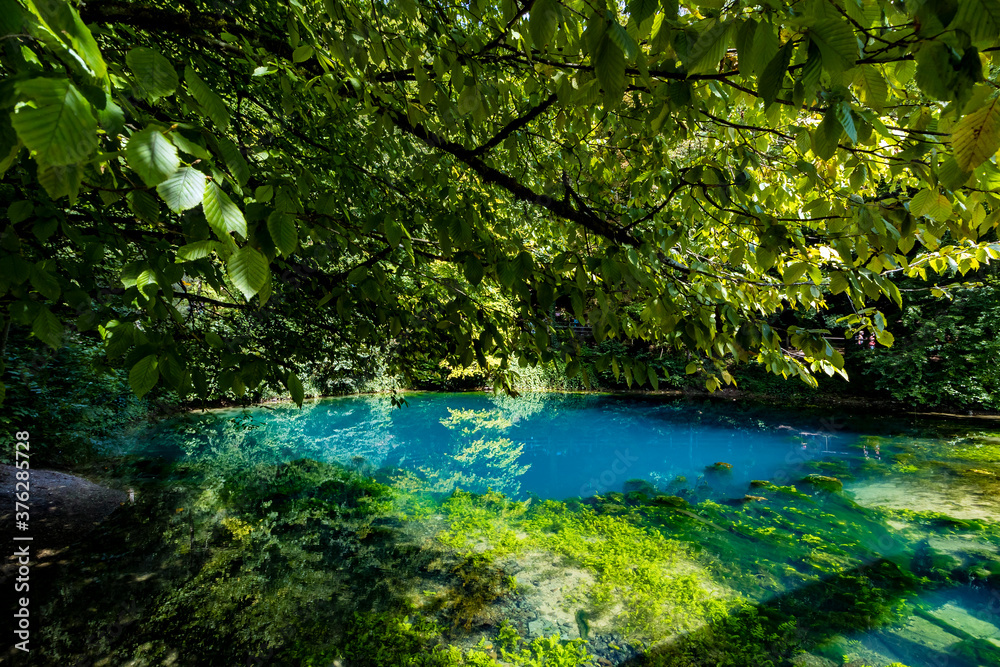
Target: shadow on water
{"x":838,"y":617}
{"x":868,"y":613}
{"x":267,"y":565}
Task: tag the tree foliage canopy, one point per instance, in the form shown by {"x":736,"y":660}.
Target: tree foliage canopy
{"x":460,"y":178}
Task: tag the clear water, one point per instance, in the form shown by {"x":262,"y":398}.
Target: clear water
{"x":785,"y":552}
{"x":551,"y":445}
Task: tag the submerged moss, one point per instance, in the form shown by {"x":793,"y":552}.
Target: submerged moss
{"x":823,"y":482}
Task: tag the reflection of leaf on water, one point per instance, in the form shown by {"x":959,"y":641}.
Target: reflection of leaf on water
{"x":520,"y":408}
{"x":233,"y":440}
{"x":476,"y":459}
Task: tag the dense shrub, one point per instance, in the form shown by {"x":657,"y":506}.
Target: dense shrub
{"x":68,"y":399}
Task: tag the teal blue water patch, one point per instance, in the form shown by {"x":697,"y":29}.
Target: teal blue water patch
{"x":550,"y":445}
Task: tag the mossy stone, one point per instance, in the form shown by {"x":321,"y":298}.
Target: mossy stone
{"x":824,"y":483}
{"x":670,"y":501}
{"x":639,"y":486}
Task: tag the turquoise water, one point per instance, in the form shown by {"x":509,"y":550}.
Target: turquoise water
{"x":551,"y":445}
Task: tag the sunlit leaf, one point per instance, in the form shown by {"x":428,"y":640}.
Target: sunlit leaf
{"x":248,"y":270}
{"x":154,"y":76}
{"x":58,"y":126}
{"x":152,"y":156}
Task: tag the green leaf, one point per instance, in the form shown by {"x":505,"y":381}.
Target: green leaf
{"x":302,"y":53}
{"x":144,"y":375}
{"x":62,"y":181}
{"x":184,"y":190}
{"x":63,"y":20}
{"x":57,"y":126}
{"x":235,"y":161}
{"x":170,"y":370}
{"x":47,"y":328}
{"x":283,"y":231}
{"x":811,"y":71}
{"x":264,"y":193}
{"x":152,"y":156}
{"x":640,"y":10}
{"x":765,"y":257}
{"x":19,"y":211}
{"x":765,"y":46}
{"x":843,"y":111}
{"x":44,"y":282}
{"x":837,"y":43}
{"x":543,"y":19}
{"x":214,"y":340}
{"x":470,"y":99}
{"x":623,"y":40}
{"x":154,"y":75}
{"x":794,"y":272}
{"x":110,"y":116}
{"x":224,"y":217}
{"x":770,"y":82}
{"x":705,"y":54}
{"x":884,"y":337}
{"x":295,"y":388}
{"x":11,"y":22}
{"x":876,"y":89}
{"x":979,"y":18}
{"x":977,"y":136}
{"x":393,"y":231}
{"x":10,"y":145}
{"x":197,"y":250}
{"x":932,"y":204}
{"x":473,"y":270}
{"x":507,"y":273}
{"x":951,"y":175}
{"x":609,"y":65}
{"x":248,"y":270}
{"x":523,"y":264}
{"x":838,"y":282}
{"x":936,"y":73}
{"x":210,"y":102}
{"x":745,"y":45}
{"x":826,"y":137}
{"x":188,"y":146}
{"x":144,"y":205}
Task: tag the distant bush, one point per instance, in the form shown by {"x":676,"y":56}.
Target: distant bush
{"x":68,"y":399}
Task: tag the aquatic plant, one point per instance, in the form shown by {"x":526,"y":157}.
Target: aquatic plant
{"x":480,"y":582}
{"x":743,"y":635}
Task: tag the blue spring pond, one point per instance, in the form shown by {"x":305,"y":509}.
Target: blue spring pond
{"x":557,"y":445}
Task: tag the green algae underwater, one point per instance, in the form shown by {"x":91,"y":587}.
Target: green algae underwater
{"x":381,"y":537}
